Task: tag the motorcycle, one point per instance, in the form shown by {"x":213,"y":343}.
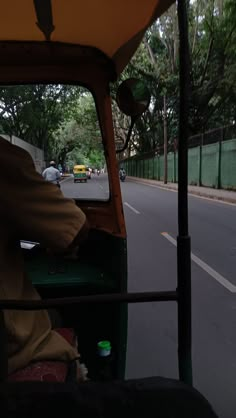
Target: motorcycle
{"x":122,"y":177}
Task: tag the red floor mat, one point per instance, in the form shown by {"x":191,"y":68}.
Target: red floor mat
{"x":46,"y":371}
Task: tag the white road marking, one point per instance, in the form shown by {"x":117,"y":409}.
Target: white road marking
{"x":157,"y":187}
{"x":131,"y":207}
{"x":213,"y":273}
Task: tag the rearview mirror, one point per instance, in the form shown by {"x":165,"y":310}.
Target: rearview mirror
{"x":133,"y":97}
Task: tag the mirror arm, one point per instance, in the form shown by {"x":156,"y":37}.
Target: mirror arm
{"x":133,"y":120}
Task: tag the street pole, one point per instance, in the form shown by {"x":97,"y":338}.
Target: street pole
{"x":183,"y":239}
{"x":165,"y":141}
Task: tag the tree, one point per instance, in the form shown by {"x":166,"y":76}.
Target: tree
{"x":213,"y":64}
{"x":34,"y":112}
{"x":78,"y":140}
{"x":156,"y":64}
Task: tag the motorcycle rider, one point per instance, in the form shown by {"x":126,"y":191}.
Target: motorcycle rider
{"x":122,"y":173}
{"x":52,"y":174}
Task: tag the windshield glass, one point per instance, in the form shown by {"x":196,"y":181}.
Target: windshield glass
{"x":58,"y":123}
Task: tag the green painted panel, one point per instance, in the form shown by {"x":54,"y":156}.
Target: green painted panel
{"x":131,"y":165}
{"x":135,"y":168}
{"x":146,"y":169}
{"x":193,"y":166}
{"x":161,"y":161}
{"x":128,"y":166}
{"x":176,"y":167}
{"x":140,"y":173}
{"x":170,"y":167}
{"x":138,"y":168}
{"x":228,"y":164}
{"x":155,"y":168}
{"x":150,"y":168}
{"x":209,"y":165}
{"x":143,"y":169}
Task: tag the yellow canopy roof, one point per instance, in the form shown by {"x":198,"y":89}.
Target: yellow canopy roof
{"x":115,"y":27}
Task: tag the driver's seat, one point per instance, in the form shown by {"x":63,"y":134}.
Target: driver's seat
{"x":145,"y":398}
{"x":49,"y":371}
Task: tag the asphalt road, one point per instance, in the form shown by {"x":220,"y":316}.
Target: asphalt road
{"x":152,"y":335}
{"x":95,"y":188}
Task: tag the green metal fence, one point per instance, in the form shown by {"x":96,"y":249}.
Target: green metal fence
{"x":212,"y":165}
{"x":209,"y":171}
{"x":228,"y":165}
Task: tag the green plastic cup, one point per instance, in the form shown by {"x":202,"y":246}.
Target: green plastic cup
{"x":104,"y":348}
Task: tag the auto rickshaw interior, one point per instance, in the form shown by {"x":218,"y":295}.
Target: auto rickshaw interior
{"x":92,"y":54}
{"x":101,"y":263}
{"x":100,"y":266}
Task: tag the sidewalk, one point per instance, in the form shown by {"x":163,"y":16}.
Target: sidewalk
{"x":215,"y":194}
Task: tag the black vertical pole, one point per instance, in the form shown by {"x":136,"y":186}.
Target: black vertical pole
{"x":165,"y":142}
{"x":219,"y":159}
{"x":183,"y":239}
{"x":3,"y":349}
{"x":200,"y":160}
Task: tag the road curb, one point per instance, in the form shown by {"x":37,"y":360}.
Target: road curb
{"x":190,"y":192}
{"x":217,"y":198}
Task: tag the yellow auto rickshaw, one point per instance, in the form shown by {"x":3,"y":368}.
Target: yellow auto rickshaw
{"x":80,"y":174}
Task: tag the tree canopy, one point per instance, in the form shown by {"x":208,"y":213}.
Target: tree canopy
{"x":78,"y":140}
{"x":34,"y":112}
{"x":212,"y":39}
{"x":62,"y":119}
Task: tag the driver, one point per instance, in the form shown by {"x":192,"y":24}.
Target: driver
{"x":33,"y":210}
